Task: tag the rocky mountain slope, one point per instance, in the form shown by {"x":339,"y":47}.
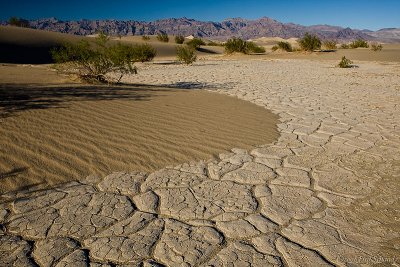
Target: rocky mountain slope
{"x":263,"y":27}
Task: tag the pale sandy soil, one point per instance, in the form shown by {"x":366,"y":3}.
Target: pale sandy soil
{"x":54,"y":132}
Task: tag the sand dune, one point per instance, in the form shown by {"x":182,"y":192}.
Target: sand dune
{"x":57,"y":133}
{"x":23,"y":45}
{"x":31,"y":46}
{"x":168,"y":50}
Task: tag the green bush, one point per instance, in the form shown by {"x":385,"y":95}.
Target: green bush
{"x":186,"y":54}
{"x":235,"y":45}
{"x":195,"y":43}
{"x":144,"y":53}
{"x":345,"y":63}
{"x":14,"y":21}
{"x":163,"y":37}
{"x":145,"y":38}
{"x":93,"y":61}
{"x":345,"y":46}
{"x":285,"y":46}
{"x":359,"y":43}
{"x":179,"y":39}
{"x":212,"y":43}
{"x":310,"y":42}
{"x":238,"y":45}
{"x":253,"y":48}
{"x":376,"y":47}
{"x":330,"y":44}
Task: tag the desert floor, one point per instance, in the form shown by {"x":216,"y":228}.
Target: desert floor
{"x":54,"y":131}
{"x":325,"y":193}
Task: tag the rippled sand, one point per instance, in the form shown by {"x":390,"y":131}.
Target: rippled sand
{"x":57,"y":133}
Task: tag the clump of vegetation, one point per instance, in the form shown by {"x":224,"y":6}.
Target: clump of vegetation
{"x":254,"y":48}
{"x":330,"y":44}
{"x":212,"y":43}
{"x":195,"y":43}
{"x":285,"y":46}
{"x":310,"y":42}
{"x":345,"y":46}
{"x":376,"y":47}
{"x":235,"y":45}
{"x":144,"y":53}
{"x":359,"y":43}
{"x":179,"y":39}
{"x":186,"y":54}
{"x":163,"y":37}
{"x":345,"y":63}
{"x":238,"y":45}
{"x":15,"y":21}
{"x":95,"y":60}
{"x":145,"y":38}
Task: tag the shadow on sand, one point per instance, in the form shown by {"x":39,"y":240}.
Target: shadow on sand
{"x":21,"y":97}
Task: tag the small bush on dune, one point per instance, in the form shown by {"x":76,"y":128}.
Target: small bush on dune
{"x":212,"y":43}
{"x":345,"y":46}
{"x":186,"y":54}
{"x":285,"y":46}
{"x":179,"y":39}
{"x":359,"y":43}
{"x":345,"y":63}
{"x":376,"y":47}
{"x":144,"y":53}
{"x":238,"y":45}
{"x":163,"y":37}
{"x":93,"y":61}
{"x":14,"y":21}
{"x":254,"y":48}
{"x":310,"y":42}
{"x":195,"y":43}
{"x":145,"y":38}
{"x":330,"y":44}
{"x":235,"y":45}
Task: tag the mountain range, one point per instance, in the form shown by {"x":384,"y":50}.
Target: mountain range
{"x":239,"y":27}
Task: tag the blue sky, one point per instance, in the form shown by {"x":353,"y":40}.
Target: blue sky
{"x":361,"y":14}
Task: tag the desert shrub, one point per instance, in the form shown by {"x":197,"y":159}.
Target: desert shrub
{"x":285,"y":46}
{"x":93,"y":61}
{"x":212,"y":43}
{"x":359,"y":43}
{"x":235,"y":45}
{"x":163,"y":37}
{"x":144,"y":53}
{"x":195,"y":43}
{"x":344,"y":46}
{"x":179,"y":39}
{"x":376,"y":47}
{"x":309,"y":42}
{"x":238,"y":45}
{"x":186,"y":54}
{"x":254,"y":48}
{"x":14,"y":21}
{"x":145,"y":38}
{"x":345,"y":63}
{"x":330,"y":44}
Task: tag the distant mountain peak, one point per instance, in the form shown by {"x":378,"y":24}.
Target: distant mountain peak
{"x":240,"y":27}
